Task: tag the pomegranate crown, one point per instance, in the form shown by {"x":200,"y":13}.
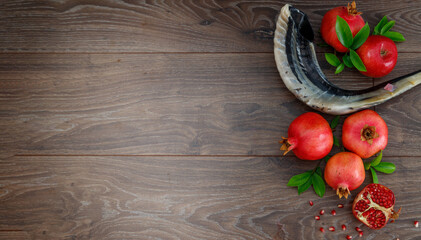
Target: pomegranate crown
{"x":352,"y":9}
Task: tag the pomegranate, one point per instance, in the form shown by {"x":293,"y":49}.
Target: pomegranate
{"x":373,"y":206}
{"x":364,"y":133}
{"x":328,"y":29}
{"x":309,"y":137}
{"x":344,"y":172}
{"x":379,"y":55}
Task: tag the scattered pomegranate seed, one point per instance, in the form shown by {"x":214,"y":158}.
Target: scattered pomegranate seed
{"x":317,"y":217}
{"x":322,"y":212}
{"x":348,"y":237}
{"x":416,"y":223}
{"x":343,"y":227}
{"x":340,"y":205}
{"x":333,"y":212}
{"x":332,"y":229}
{"x":311,"y":203}
{"x":360,"y":234}
{"x":322,"y":230}
{"x":358,"y":229}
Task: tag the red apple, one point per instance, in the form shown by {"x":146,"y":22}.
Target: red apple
{"x":379,"y":55}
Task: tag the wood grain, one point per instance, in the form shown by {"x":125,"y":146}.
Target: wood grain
{"x":173,"y":26}
{"x":148,"y":103}
{"x":183,"y":198}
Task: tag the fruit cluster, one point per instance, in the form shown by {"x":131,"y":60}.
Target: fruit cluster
{"x":374,"y":55}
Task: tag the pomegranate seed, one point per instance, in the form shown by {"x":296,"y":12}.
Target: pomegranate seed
{"x":358,"y":229}
{"x":322,"y":212}
{"x":317,"y":217}
{"x":416,"y":223}
{"x":332,"y":229}
{"x":360,"y":234}
{"x":340,"y":205}
{"x":333,"y":212}
{"x":348,"y":237}
{"x":311,"y":203}
{"x":322,"y":230}
{"x":343,"y":227}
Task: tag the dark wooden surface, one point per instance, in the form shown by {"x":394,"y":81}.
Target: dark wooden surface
{"x":161,"y":120}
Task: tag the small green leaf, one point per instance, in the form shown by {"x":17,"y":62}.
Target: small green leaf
{"x":327,"y":158}
{"x":361,"y":36}
{"x":347,"y":61}
{"x":374,"y":174}
{"x":335,"y":141}
{"x":299,"y":179}
{"x":356,"y":61}
{"x":379,"y":26}
{"x":378,"y":159}
{"x":319,"y":185}
{"x":367,"y":165}
{"x":387,"y":27}
{"x":385,"y":167}
{"x":340,"y":68}
{"x":319,"y":171}
{"x":332,"y":59}
{"x":343,"y":32}
{"x":334,"y":122}
{"x":303,"y":187}
{"x":395,"y":36}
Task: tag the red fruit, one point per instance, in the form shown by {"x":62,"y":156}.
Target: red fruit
{"x":333,"y":212}
{"x":328,"y":29}
{"x":358,"y":229}
{"x":343,"y":227}
{"x":416,"y":224}
{"x":317,"y":217}
{"x":311,"y":203}
{"x":322,"y":230}
{"x":348,"y":237}
{"x":373,"y":206}
{"x":360,"y":234}
{"x":340,"y":205}
{"x":332,"y":229}
{"x":309,"y":137}
{"x":364,"y":133}
{"x":344,"y":172}
{"x":379,"y":55}
{"x":322,"y":212}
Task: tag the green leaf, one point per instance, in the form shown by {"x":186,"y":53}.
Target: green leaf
{"x":356,"y":61}
{"x":367,"y":165}
{"x":327,"y":158}
{"x":319,"y":171}
{"x":387,"y":27}
{"x":332,"y":59}
{"x":335,"y":141}
{"x":347,"y":61}
{"x":379,"y":26}
{"x":374,"y":174}
{"x":395,"y":36}
{"x":319,"y":185}
{"x":299,"y":179}
{"x":343,"y":32}
{"x":303,"y":187}
{"x":385,"y":167}
{"x":340,"y":68}
{"x":361,"y":36}
{"x":334,"y":122}
{"x":378,"y":159}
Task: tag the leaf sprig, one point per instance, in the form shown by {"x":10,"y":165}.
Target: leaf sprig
{"x":383,"y":29}
{"x":377,"y":165}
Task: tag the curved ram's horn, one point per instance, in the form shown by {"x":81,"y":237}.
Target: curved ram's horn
{"x":297,"y":64}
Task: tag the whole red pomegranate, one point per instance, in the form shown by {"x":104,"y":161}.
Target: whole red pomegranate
{"x":364,"y":133}
{"x":344,"y":172}
{"x":328,"y":27}
{"x":379,"y":55}
{"x":373,"y":206}
{"x":309,"y":137}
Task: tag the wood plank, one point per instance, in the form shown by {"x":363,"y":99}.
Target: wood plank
{"x":148,"y":103}
{"x":174,"y":26}
{"x":184,"y":198}
{"x":402,"y":114}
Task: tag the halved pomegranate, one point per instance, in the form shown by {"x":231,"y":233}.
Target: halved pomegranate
{"x":373,"y":206}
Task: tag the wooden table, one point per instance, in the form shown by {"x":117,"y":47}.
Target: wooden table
{"x":160,"y":120}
